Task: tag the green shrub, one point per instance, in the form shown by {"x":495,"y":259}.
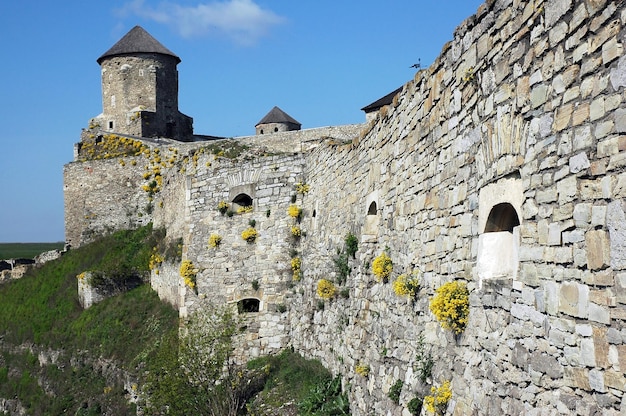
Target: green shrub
{"x":352,"y":245}
{"x":415,"y":406}
{"x":395,"y":390}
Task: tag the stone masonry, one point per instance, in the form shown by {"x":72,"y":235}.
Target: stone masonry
{"x":501,"y":165}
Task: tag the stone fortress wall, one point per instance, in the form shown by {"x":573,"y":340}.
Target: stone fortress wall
{"x":500,"y":165}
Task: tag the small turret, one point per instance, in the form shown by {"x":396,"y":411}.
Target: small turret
{"x":140,"y":89}
{"x":276,"y":120}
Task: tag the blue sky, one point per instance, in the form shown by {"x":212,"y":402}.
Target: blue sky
{"x":320,"y":61}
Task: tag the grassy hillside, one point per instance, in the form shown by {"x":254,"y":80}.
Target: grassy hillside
{"x":56,"y":358}
{"x":26,"y":250}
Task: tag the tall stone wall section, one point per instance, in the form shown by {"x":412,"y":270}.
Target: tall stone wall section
{"x":101,"y":196}
{"x":238,"y":270}
{"x":527,"y":98}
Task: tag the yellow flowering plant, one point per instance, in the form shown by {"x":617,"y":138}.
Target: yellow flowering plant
{"x":407,"y":284}
{"x":188,"y":273}
{"x":215,"y":240}
{"x":155,"y":261}
{"x":362,"y":369}
{"x":302,"y":188}
{"x":296,"y":231}
{"x":438,"y":399}
{"x":296,"y":267}
{"x":326,"y":289}
{"x":382,"y":266}
{"x":245,"y":210}
{"x":450,"y":305}
{"x":250,"y":234}
{"x":294,"y":211}
{"x":222,"y":207}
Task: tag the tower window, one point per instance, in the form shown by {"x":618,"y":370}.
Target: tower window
{"x":111,"y":124}
{"x":275,"y":129}
{"x":372,"y":209}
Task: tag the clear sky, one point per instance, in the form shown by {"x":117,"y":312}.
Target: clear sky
{"x":320,"y":61}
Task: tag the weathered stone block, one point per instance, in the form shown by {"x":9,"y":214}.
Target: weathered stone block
{"x":574,"y":299}
{"x":616,"y":223}
{"x":567,"y":189}
{"x":578,"y":162}
{"x":576,"y":378}
{"x":597,"y":243}
{"x":596,"y":380}
{"x":546,"y":364}
{"x":615,"y":380}
{"x":582,"y":214}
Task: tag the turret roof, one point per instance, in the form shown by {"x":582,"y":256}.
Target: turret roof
{"x":137,"y":40}
{"x":276,"y":115}
{"x":386,"y":100}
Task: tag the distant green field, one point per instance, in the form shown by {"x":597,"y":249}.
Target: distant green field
{"x":26,"y":250}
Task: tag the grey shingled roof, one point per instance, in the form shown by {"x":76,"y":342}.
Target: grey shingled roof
{"x":386,"y":100}
{"x":137,"y":40}
{"x":276,"y":115}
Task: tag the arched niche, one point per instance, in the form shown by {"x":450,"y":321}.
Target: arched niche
{"x":242,"y":200}
{"x":372,"y":209}
{"x":502,"y":217}
{"x":372,"y":219}
{"x":248,"y":305}
{"x":499,"y":205}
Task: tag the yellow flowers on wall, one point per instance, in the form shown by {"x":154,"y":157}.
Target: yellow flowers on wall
{"x":450,"y":305}
{"x":362,"y":370}
{"x":155,"y":261}
{"x":222,"y":207}
{"x":110,"y":146}
{"x":468,"y":74}
{"x":215,"y":240}
{"x":250,"y":235}
{"x":438,"y":399}
{"x":302,"y":188}
{"x":294,"y":211}
{"x":245,"y":210}
{"x":296,"y":267}
{"x":188,"y":273}
{"x":382,"y":266}
{"x":326,"y":289}
{"x":296,"y":231}
{"x":407,"y":284}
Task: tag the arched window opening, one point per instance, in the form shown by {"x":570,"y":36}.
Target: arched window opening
{"x":243,"y":200}
{"x":502,"y":217}
{"x":275,"y":129}
{"x":261,"y":131}
{"x":248,"y":305}
{"x":372,"y":210}
{"x":314,"y":213}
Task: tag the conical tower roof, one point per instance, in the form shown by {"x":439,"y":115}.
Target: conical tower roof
{"x":137,"y":40}
{"x":276,"y":115}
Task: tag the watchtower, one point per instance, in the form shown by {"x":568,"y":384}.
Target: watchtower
{"x":275,"y":121}
{"x":140,"y":89}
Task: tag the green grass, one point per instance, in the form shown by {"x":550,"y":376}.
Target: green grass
{"x":26,"y":250}
{"x":42,"y":309}
{"x":306,"y":383}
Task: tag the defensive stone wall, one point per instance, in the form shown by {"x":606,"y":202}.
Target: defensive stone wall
{"x":522,"y":110}
{"x":501,"y":165}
